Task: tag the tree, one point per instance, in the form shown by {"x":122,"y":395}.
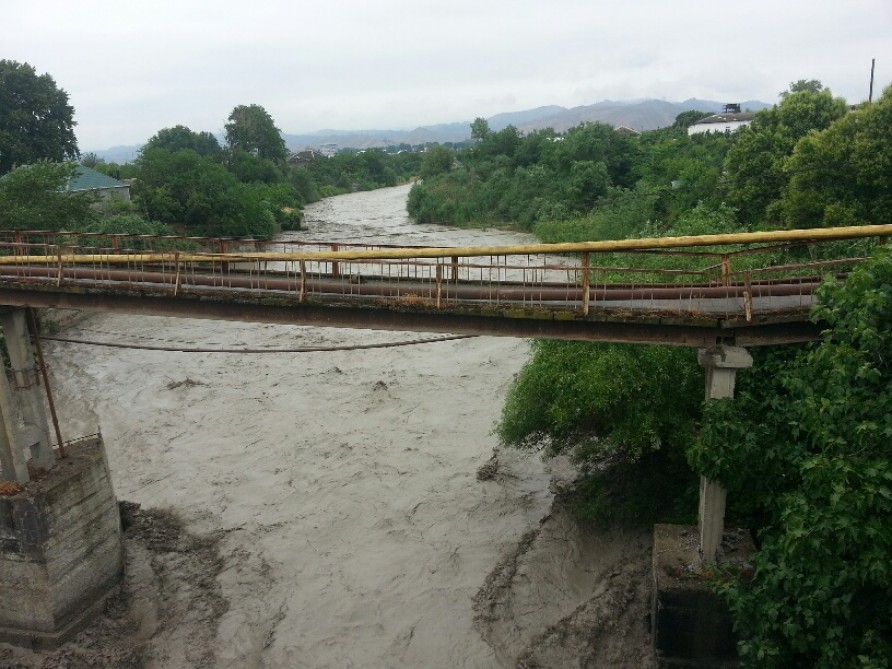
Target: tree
{"x":688,"y":118}
{"x":626,"y":412}
{"x":437,"y":160}
{"x":35,"y":118}
{"x":33,"y":197}
{"x":807,"y":439}
{"x":252,"y":129}
{"x":843,"y":175}
{"x":803,"y":86}
{"x":480,"y":129}
{"x":184,"y":189}
{"x":756,"y":165}
{"x":179,"y":138}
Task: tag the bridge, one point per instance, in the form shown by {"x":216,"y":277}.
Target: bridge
{"x":59,"y":538}
{"x":746,"y":289}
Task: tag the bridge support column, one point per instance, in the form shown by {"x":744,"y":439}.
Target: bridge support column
{"x":26,"y":425}
{"x":24,"y":433}
{"x":721,"y":364}
{"x":60,"y":534}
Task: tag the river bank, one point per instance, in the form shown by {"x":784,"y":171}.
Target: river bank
{"x":324,"y":509}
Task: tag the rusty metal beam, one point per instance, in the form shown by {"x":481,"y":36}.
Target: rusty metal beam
{"x":654,"y":330}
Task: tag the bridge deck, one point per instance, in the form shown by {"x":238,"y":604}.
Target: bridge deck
{"x":743,"y":289}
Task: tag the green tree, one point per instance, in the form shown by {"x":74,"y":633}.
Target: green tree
{"x":626,"y":412}
{"x":251,"y":168}
{"x":756,"y":164}
{"x":688,"y":118}
{"x":33,"y":197}
{"x":480,"y":128}
{"x":184,"y":189}
{"x":803,"y":86}
{"x":179,"y":138}
{"x":807,"y":439}
{"x":437,"y":160}
{"x":252,"y":129}
{"x":35,"y":118}
{"x":843,"y":175}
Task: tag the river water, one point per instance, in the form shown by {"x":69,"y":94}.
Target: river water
{"x":341,"y":488}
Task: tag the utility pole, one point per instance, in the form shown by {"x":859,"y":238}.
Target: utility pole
{"x":873,"y":62}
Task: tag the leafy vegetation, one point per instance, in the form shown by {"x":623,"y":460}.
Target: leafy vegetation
{"x":804,"y":449}
{"x":807,"y":441}
{"x":36,"y":121}
{"x":33,"y":197}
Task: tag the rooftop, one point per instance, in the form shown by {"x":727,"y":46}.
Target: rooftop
{"x":86,"y":178}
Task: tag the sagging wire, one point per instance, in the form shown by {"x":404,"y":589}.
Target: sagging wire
{"x":301,"y":349}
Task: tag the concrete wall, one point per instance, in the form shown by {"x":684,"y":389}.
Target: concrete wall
{"x":60,"y":549}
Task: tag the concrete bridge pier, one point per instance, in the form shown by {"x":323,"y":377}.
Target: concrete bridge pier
{"x":721,"y":364}
{"x":60,"y":534}
{"x":691,"y":624}
{"x":26,"y":435}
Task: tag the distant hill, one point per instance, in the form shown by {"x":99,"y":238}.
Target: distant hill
{"x":637,"y":114}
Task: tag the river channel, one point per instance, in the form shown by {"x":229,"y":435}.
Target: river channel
{"x":340,"y":490}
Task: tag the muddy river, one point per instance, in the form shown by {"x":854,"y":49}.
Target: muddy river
{"x":338,"y":492}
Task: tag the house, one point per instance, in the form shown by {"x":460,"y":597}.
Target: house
{"x":87,"y":179}
{"x":302,"y":157}
{"x":730,"y":120}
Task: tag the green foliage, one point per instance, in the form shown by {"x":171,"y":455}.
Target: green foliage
{"x":252,"y":129}
{"x":437,"y":160}
{"x":348,"y":171}
{"x":626,"y":412}
{"x":603,"y":400}
{"x":686,"y":119}
{"x":35,"y":118}
{"x":480,"y":128}
{"x":618,"y":215}
{"x":128,"y":224}
{"x":189,"y":191}
{"x":304,"y":185}
{"x":807,"y":440}
{"x":569,"y":185}
{"x":843,"y":175}
{"x":756,"y":165}
{"x":33,"y":197}
{"x":250,"y":168}
{"x":180,"y":138}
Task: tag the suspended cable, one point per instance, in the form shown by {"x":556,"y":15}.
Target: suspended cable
{"x":301,"y":349}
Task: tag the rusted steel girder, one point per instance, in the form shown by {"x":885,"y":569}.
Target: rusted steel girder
{"x":504,"y":321}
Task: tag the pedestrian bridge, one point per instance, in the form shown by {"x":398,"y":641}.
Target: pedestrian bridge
{"x":743,"y":289}
{"x":60,"y":548}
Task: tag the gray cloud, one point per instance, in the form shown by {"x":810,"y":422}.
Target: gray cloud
{"x":134,"y":68}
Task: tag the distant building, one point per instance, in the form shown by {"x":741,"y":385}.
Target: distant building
{"x":302,"y":157}
{"x":87,"y":179}
{"x":328,"y":150}
{"x":730,"y":120}
{"x":626,"y":130}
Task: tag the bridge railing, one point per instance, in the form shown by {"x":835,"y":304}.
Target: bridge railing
{"x":714,"y":276}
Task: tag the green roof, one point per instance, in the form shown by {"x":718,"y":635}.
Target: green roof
{"x":86,"y":178}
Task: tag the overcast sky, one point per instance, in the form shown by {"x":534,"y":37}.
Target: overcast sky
{"x":132,"y":68}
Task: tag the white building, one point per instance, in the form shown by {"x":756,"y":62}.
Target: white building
{"x":730,"y":120}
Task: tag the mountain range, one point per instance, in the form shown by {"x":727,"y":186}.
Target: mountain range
{"x":639,"y":115}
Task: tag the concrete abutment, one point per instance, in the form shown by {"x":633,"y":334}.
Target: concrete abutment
{"x":60,"y":533}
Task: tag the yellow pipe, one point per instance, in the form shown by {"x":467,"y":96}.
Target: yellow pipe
{"x":611,"y":246}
